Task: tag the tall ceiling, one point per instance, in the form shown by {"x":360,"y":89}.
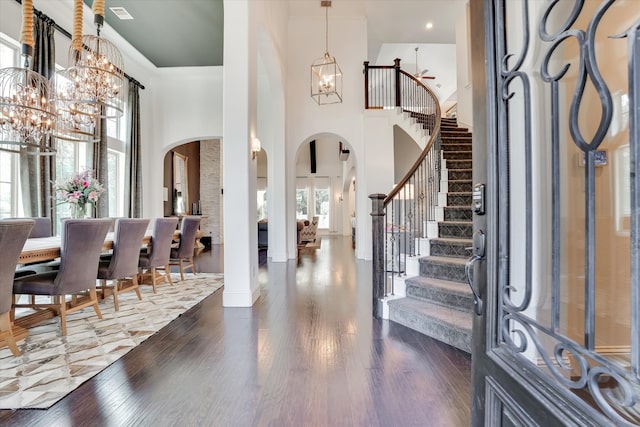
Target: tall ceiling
{"x":175,"y":33}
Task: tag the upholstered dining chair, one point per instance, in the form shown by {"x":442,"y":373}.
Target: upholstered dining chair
{"x":122,"y":267}
{"x":81,"y":243}
{"x":13,"y":234}
{"x":183,"y":254}
{"x":41,"y":228}
{"x":157,"y":254}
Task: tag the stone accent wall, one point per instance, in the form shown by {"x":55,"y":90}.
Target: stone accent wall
{"x":210,"y":185}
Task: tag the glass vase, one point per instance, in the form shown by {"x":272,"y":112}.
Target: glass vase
{"x":79,"y":210}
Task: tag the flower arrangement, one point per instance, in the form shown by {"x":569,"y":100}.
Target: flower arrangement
{"x":79,"y":190}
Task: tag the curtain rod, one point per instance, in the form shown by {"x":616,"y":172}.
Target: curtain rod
{"x":68,"y":34}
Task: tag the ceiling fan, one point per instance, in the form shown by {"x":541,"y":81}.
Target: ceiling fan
{"x":422,"y":74}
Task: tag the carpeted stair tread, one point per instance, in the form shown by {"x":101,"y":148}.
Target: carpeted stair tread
{"x":458,"y":213}
{"x":448,"y":325}
{"x":444,"y":260}
{"x":450,"y":247}
{"x":455,"y":229}
{"x":445,"y":293}
{"x":460,"y":185}
{"x":458,"y":155}
{"x":459,"y":164}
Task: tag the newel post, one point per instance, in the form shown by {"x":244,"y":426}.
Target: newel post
{"x":366,"y":85}
{"x":396,"y":66}
{"x":377,"y":223}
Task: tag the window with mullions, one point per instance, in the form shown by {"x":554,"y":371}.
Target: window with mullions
{"x":9,"y":200}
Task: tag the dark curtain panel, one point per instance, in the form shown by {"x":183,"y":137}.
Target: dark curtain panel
{"x":133,"y":186}
{"x":101,"y":169}
{"x":37,"y":172}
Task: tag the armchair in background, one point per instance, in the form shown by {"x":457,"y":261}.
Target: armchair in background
{"x":308,"y":232}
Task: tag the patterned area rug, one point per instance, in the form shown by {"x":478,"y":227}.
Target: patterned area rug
{"x":51,"y":366}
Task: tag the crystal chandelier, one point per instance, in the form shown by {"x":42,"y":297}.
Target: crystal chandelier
{"x":26,"y":115}
{"x":93,"y":85}
{"x":326,"y":76}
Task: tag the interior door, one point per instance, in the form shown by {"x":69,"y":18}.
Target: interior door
{"x":556,"y":143}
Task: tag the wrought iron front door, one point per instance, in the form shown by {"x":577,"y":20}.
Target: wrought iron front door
{"x":557,"y":337}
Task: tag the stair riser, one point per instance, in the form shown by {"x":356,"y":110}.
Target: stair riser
{"x":460,"y":186}
{"x":452,"y":272}
{"x":462,"y":302}
{"x":455,"y":231}
{"x":459,"y":338}
{"x":455,"y":133}
{"x":451,"y":214}
{"x":455,"y":147}
{"x":459,"y":175}
{"x":457,"y":250}
{"x":458,"y":199}
{"x":457,"y":155}
{"x":459,"y":164}
{"x":457,"y":139}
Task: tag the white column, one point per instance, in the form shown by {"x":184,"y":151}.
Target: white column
{"x":239,"y":99}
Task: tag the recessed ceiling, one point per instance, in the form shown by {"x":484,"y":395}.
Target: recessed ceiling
{"x":189,"y":33}
{"x":172,"y":33}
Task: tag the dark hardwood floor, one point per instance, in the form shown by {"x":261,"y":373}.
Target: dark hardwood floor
{"x":308,"y":353}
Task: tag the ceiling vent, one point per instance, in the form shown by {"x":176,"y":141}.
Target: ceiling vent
{"x":121,"y":13}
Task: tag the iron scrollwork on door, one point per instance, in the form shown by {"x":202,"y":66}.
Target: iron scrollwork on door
{"x":557,"y":115}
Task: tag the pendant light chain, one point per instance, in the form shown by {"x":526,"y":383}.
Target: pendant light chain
{"x":326,"y":30}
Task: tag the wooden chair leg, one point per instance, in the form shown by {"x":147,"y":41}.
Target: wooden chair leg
{"x":153,"y":279}
{"x":94,"y":297}
{"x":62,"y":304}
{"x":5,"y":329}
{"x":116,"y":285}
{"x":192,"y":265}
{"x":181,"y":261}
{"x":167,"y":272}
{"x":134,"y":281}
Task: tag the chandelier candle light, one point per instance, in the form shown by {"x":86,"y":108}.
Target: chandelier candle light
{"x":93,"y":85}
{"x":27,"y":116}
{"x":326,"y":76}
{"x":77,"y":110}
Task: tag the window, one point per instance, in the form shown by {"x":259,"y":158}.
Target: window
{"x":71,"y":157}
{"x":116,"y":164}
{"x":262,"y":198}
{"x":321,"y":197}
{"x":9,"y":200}
{"x":313,"y":199}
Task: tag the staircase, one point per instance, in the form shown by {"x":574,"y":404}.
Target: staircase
{"x":438,"y":302}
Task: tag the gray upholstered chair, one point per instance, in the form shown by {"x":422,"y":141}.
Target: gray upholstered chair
{"x":157,"y":255}
{"x":122,"y":266}
{"x":13,"y":234}
{"x":41,"y":228}
{"x":183,"y":254}
{"x":81,"y":243}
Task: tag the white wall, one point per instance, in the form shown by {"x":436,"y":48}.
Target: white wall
{"x":188,"y":107}
{"x":305,"y":118}
{"x":405,"y":152}
{"x":439,"y":58}
{"x":465,"y":96}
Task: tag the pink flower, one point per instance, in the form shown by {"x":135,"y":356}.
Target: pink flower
{"x":85,"y":183}
{"x":93,"y":196}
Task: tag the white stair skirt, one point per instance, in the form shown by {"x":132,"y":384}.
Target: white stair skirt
{"x":442,"y":199}
{"x":432,"y":229}
{"x":413,"y":266}
{"x":399,"y":292}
